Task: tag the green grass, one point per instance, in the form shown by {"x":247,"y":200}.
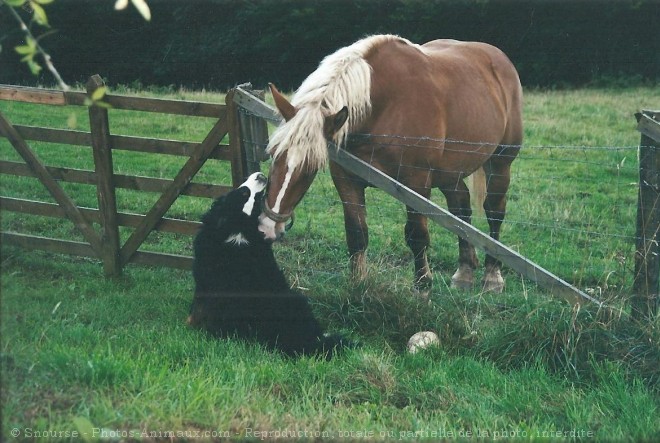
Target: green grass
{"x":114,"y":358}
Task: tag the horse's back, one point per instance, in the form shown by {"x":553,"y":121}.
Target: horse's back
{"x":458,"y":100}
{"x":448,"y":73}
{"x":447,"y":89}
{"x":473,"y":64}
{"x":475,"y":52}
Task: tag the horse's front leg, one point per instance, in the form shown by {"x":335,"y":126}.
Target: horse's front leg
{"x":357,"y":237}
{"x":418,"y":240}
{"x":351,"y":191}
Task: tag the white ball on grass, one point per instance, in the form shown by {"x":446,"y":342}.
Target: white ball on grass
{"x":422,"y":340}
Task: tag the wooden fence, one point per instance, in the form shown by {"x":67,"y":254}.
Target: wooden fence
{"x":104,"y":243}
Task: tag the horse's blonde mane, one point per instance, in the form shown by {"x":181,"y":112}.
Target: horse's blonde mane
{"x":342,"y":79}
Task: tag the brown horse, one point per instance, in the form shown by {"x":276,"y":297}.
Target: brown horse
{"x":427,"y":115}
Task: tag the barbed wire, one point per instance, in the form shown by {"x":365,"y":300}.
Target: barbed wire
{"x":597,"y":230}
{"x":524,"y":155}
{"x":413,"y":141}
{"x":522,"y":147}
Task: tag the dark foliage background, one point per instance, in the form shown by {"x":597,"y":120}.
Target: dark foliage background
{"x":220,"y":43}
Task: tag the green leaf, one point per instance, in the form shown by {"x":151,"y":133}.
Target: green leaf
{"x":44,"y":2}
{"x":34,"y":67}
{"x":98,"y":103}
{"x":30,"y":46}
{"x":39,"y":13}
{"x":25,"y":50}
{"x":103,"y":105}
{"x":99,"y":93}
{"x":15,"y":3}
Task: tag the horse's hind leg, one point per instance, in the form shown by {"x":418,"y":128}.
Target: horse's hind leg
{"x":458,"y":203}
{"x":498,"y":174}
{"x":418,"y":240}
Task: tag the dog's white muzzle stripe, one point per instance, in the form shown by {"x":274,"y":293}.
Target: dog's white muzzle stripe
{"x":255,"y":183}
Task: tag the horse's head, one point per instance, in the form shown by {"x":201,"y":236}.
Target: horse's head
{"x":299,"y":150}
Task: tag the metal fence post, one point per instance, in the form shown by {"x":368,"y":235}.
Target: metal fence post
{"x":254,"y":133}
{"x":238,"y":164}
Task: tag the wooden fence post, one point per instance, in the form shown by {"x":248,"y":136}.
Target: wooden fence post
{"x":645,"y":298}
{"x":105,"y":187}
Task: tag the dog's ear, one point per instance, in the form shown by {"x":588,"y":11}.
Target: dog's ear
{"x":218,"y":212}
{"x":244,"y":193}
{"x":226,"y":206}
{"x":215,"y":216}
{"x":238,"y":197}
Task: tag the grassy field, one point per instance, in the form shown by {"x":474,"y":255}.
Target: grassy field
{"x":109,"y":360}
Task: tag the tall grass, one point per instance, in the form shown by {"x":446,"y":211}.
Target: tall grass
{"x":113,"y":357}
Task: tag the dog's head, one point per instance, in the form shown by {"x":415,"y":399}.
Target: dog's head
{"x":233,"y":217}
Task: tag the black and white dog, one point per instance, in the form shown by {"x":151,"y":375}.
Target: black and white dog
{"x":240,"y":290}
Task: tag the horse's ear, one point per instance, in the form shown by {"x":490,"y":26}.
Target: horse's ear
{"x":333,"y":123}
{"x":286,"y":109}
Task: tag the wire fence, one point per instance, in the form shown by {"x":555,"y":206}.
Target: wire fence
{"x":571,"y":209}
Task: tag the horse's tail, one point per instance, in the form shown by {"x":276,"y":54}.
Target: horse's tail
{"x":477,"y":185}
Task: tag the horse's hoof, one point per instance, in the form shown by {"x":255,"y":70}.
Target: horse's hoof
{"x":422,"y":287}
{"x":495,"y":287}
{"x":463,"y":278}
{"x":493,"y":282}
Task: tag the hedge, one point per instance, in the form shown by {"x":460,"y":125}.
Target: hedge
{"x":217,"y":44}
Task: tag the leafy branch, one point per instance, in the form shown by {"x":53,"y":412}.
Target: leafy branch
{"x":31,"y":49}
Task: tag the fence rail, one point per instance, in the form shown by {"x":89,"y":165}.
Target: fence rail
{"x":128,"y":103}
{"x":104,"y":243}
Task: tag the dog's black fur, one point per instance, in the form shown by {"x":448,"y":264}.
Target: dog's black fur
{"x":240,"y":290}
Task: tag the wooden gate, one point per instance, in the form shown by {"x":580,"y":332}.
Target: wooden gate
{"x":104,"y":243}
